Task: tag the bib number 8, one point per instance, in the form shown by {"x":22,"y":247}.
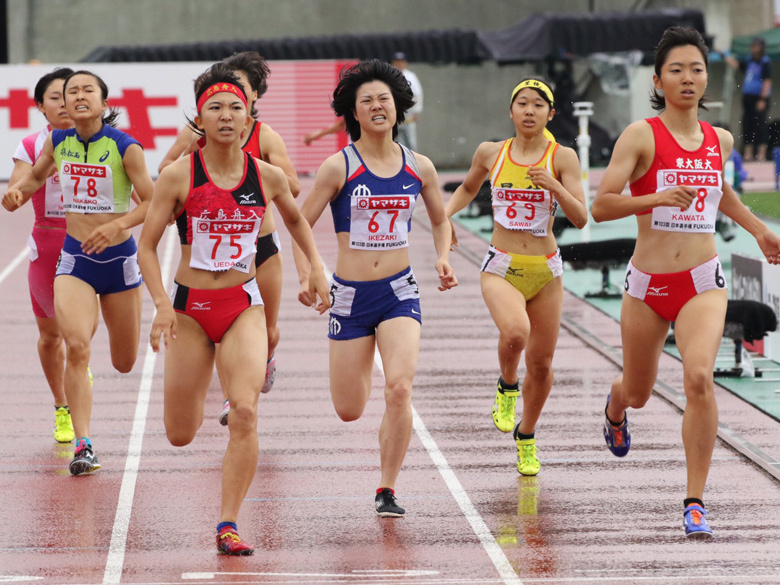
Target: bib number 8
{"x":701,"y":195}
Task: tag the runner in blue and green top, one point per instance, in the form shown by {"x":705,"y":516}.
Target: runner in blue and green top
{"x":98,"y":167}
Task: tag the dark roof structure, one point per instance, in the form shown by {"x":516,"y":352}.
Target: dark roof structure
{"x":550,"y":35}
{"x":541,"y":36}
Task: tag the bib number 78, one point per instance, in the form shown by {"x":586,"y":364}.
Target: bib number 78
{"x":91,"y":187}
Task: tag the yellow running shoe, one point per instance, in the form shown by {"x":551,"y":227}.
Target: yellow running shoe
{"x":504,"y":407}
{"x":527,"y":462}
{"x":63,"y":425}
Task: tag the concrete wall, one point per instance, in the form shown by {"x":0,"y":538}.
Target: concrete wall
{"x":463,"y":104}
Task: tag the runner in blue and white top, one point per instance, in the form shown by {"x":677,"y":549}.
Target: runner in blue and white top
{"x":372,"y":187}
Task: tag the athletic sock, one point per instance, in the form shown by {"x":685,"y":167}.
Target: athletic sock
{"x":688,"y":501}
{"x":503,"y":386}
{"x":221,"y":525}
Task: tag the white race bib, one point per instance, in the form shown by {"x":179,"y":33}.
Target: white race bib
{"x":87,"y":188}
{"x":526,"y":210}
{"x":380,"y":222}
{"x":700,"y":216}
{"x":53,"y":202}
{"x":221,"y":244}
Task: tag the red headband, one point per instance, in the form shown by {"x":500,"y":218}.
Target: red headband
{"x":218,"y":88}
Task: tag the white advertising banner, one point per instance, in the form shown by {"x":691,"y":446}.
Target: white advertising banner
{"x":154,"y":100}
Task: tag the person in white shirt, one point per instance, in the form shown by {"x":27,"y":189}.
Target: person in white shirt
{"x":407,"y":132}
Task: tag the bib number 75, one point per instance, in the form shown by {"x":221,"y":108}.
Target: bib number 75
{"x":234,"y":242}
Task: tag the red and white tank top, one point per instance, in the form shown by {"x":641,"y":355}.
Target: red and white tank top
{"x":672,"y":166}
{"x":221,"y":225}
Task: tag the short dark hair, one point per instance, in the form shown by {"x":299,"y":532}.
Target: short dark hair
{"x":256,"y":69}
{"x":673,"y":37}
{"x":113,"y":114}
{"x":217,"y":73}
{"x":351,"y":78}
{"x":45,"y":81}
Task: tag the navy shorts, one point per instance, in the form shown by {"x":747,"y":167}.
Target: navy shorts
{"x":113,"y":270}
{"x":358,"y":307}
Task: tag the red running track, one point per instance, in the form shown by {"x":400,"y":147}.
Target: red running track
{"x":149,"y":515}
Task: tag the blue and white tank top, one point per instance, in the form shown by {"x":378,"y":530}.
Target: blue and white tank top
{"x":376,"y":211}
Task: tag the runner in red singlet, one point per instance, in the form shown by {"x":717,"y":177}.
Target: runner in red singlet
{"x":219,"y":195}
{"x":262,"y":142}
{"x":674,"y":166}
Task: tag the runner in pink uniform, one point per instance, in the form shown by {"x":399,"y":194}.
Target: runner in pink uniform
{"x":45,"y":244}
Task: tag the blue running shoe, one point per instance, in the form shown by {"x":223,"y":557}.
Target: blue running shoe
{"x":694,"y":522}
{"x":618,"y":438}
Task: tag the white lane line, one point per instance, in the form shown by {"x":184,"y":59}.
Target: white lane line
{"x":478,"y":525}
{"x":116,"y":551}
{"x":14,"y":263}
{"x":486,"y":538}
{"x":494,"y":551}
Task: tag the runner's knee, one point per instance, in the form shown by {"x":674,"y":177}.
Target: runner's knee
{"x":398,"y":394}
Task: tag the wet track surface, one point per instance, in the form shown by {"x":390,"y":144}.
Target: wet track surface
{"x":148,"y":516}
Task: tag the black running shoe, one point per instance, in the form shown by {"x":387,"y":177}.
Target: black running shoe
{"x":386,"y":506}
{"x":85,"y":462}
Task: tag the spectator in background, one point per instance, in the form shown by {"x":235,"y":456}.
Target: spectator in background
{"x":756,"y":89}
{"x":407,"y":132}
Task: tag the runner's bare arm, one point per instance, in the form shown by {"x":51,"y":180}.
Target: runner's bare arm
{"x":440,"y":224}
{"x":135,"y":167}
{"x":170,"y":189}
{"x":275,"y":153}
{"x":31,"y":180}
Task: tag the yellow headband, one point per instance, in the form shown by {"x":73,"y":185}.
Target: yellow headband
{"x":533,"y":84}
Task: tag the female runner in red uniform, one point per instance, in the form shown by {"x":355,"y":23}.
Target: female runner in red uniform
{"x":219,"y":195}
{"x":674,"y":166}
{"x":262,"y":142}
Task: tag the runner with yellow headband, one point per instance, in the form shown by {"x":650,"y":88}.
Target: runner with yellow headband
{"x":530,"y":175}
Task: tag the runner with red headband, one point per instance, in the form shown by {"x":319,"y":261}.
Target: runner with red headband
{"x":263,"y":142}
{"x":219,"y":195}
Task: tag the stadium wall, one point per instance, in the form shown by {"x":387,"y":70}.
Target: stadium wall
{"x":464,"y":105}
